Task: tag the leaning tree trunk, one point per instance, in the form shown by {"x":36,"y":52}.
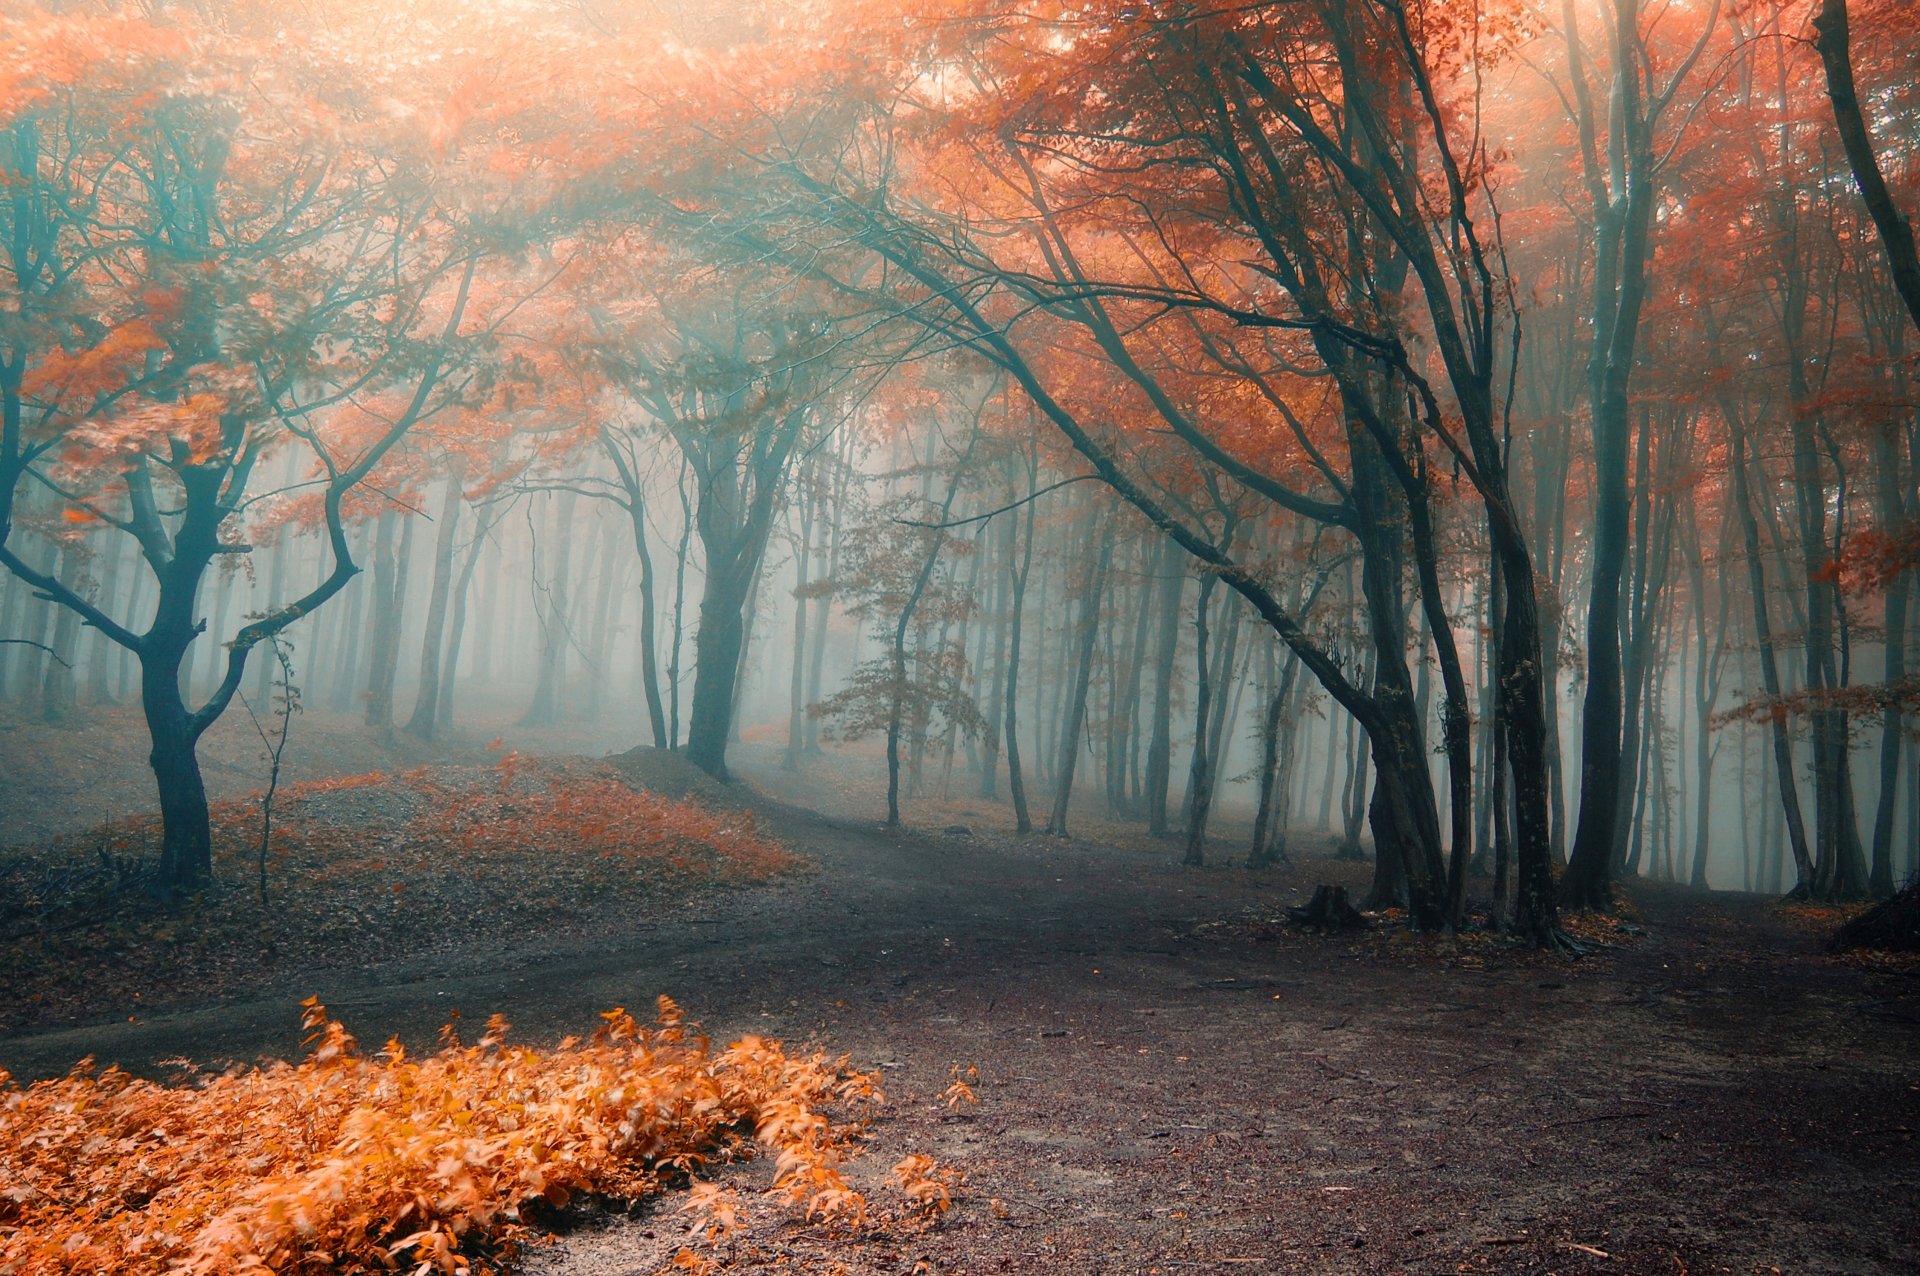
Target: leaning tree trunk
{"x":1832,"y":39}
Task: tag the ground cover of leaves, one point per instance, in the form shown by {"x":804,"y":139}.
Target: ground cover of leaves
{"x":443,"y":1163}
{"x":360,"y":869}
{"x":1172,"y":1079}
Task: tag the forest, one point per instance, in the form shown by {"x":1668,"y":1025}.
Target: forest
{"x":1358,"y":551}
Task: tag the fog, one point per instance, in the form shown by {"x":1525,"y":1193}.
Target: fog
{"x":682,"y":382}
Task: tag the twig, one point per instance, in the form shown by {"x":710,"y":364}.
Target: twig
{"x":981,"y":518}
{"x":276,"y":749}
{"x":1604,"y":1116}
{"x":28,"y":642}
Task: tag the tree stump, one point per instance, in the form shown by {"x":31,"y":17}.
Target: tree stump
{"x":1891,"y":926}
{"x":1330,"y":910}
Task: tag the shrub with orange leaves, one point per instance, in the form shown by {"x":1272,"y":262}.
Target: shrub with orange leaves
{"x":926,"y":1184}
{"x":344,"y":1163}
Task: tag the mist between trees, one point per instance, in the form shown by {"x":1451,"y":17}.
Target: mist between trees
{"x":1485,"y":445}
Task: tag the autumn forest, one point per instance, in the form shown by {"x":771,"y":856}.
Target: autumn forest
{"x":1287,"y":620}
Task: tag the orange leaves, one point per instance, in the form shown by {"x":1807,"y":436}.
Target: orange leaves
{"x":961,"y":1091}
{"x":76,"y":377}
{"x":926,"y":1185}
{"x":589,"y":811}
{"x":344,"y":1164}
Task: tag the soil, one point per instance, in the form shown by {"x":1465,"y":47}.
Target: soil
{"x":1172,"y":1078}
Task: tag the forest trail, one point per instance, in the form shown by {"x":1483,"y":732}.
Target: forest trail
{"x":1171,"y":1083}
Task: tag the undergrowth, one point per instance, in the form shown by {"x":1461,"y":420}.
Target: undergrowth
{"x":345,"y":1163}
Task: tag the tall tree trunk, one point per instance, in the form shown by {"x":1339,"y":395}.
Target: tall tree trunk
{"x":1200,"y":768}
{"x":1016,"y":782}
{"x":426,"y":703}
{"x":388,"y":604}
{"x":1090,"y":604}
{"x":996,"y":677}
{"x":556,"y":613}
{"x":679,"y":610}
{"x":1268,"y":846}
{"x":58,"y":689}
{"x":1172,"y":584}
{"x":1623,"y":222}
{"x":1709,"y":660}
{"x":101,"y":653}
{"x":797,"y":676}
{"x":1833,"y":40}
{"x":457,"y":626}
{"x":897,"y":651}
{"x":1769,"y":665}
{"x":1123,"y":719}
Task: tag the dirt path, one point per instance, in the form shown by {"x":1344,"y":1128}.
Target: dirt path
{"x":1171,"y":1085}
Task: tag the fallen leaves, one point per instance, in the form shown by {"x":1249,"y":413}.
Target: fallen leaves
{"x":363,"y":868}
{"x":348,"y":1164}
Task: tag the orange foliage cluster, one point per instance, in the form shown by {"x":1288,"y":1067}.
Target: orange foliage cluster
{"x":349,"y":1164}
{"x":588,"y":810}
{"x":574,"y":809}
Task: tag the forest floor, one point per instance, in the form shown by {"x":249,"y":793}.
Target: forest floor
{"x":1170,"y":1078}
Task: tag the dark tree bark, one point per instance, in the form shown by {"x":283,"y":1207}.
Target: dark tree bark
{"x":995,"y":675}
{"x":1833,"y":39}
{"x":1623,"y":221}
{"x":734,"y":516}
{"x":1200,"y":767}
{"x":633,"y":484}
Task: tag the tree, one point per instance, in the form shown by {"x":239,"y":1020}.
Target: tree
{"x":211,"y":269}
{"x":1087,"y":198}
